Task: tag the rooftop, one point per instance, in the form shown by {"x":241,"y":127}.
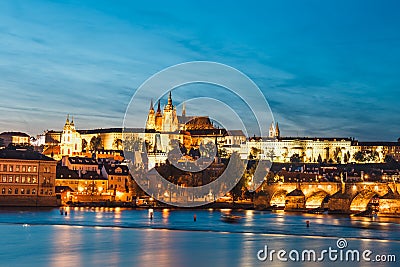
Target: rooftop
{"x":23,"y":154}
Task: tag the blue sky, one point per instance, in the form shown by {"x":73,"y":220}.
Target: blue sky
{"x":327,"y":68}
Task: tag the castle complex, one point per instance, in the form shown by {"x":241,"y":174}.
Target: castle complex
{"x":164,"y":124}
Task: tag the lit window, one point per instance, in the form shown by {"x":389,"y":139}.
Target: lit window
{"x":9,"y":191}
{"x":3,"y":191}
{"x":22,"y":191}
{"x":4,"y":179}
{"x":10,"y":179}
{"x":11,"y":168}
{"x":28,"y":179}
{"x":17,"y":168}
{"x":33,"y":191}
{"x":23,"y":169}
{"x":23,"y":179}
{"x":34,"y":180}
{"x":34,"y":168}
{"x":17,"y":179}
{"x":29,"y":168}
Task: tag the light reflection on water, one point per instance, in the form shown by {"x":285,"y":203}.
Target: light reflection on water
{"x":123,"y":237}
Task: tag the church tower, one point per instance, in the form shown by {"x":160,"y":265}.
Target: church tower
{"x":170,"y":119}
{"x":71,"y":141}
{"x":277,"y":131}
{"x":151,"y":118}
{"x":271,"y":133}
{"x":159,"y":118}
{"x":274,"y":131}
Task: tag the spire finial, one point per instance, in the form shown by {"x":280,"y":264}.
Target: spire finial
{"x":159,"y":106}
{"x":67,"y":121}
{"x":151,"y":105}
{"x":183,"y":109}
{"x":170,"y":99}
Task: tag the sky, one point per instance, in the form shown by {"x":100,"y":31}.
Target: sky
{"x":326,"y":68}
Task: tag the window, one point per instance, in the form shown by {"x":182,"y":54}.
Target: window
{"x":10,"y":179}
{"x":41,"y":191}
{"x":17,"y":179}
{"x":16,"y":191}
{"x":11,"y":168}
{"x":4,"y":167}
{"x":33,"y":191}
{"x":3,"y":191}
{"x":22,"y":191}
{"x":29,"y":168}
{"x":9,"y":191}
{"x":4,"y":179}
{"x":34,"y":180}
{"x":23,"y":179}
{"x":23,"y":168}
{"x":17,"y":168}
{"x":28,"y":179}
{"x":28,"y":191}
{"x":34,"y":168}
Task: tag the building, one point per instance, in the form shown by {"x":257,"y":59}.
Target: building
{"x":71,"y":141}
{"x":15,"y":138}
{"x":81,"y":185}
{"x":118,"y":178}
{"x":166,"y":121}
{"x":27,"y":179}
{"x":82,"y":164}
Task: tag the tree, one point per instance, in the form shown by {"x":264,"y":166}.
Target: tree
{"x":359,"y":156}
{"x":295,"y":158}
{"x":84,"y":145}
{"x":336,"y":154}
{"x":96,"y":143}
{"x":319,"y":159}
{"x":117,"y":144}
{"x":346,"y":158}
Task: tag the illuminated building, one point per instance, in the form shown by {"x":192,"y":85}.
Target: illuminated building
{"x":27,"y":178}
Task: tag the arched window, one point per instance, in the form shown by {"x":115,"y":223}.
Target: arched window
{"x":3,"y":191}
{"x":33,"y":191}
{"x":16,"y":191}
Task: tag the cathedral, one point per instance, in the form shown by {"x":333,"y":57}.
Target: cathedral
{"x":166,"y":121}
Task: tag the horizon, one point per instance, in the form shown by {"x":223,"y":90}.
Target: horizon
{"x":88,"y":59}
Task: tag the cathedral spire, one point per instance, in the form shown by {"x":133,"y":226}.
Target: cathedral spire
{"x":151,"y":105}
{"x":170,"y":99}
{"x":184,"y":109}
{"x":72,"y":120}
{"x":277,"y":131}
{"x":159,"y":107}
{"x":67,"y":121}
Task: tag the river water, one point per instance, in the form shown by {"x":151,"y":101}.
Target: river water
{"x":125,"y":237}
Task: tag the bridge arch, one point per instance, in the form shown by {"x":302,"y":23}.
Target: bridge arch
{"x":316,"y":199}
{"x":361,"y":200}
{"x":278,"y":199}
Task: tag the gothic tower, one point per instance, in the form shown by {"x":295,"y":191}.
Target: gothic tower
{"x":170,"y":119}
{"x":277,"y":131}
{"x":159,"y":118}
{"x":271,"y":133}
{"x":151,"y":119}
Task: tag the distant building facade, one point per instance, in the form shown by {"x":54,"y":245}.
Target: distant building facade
{"x":15,"y":138}
{"x":27,"y":178}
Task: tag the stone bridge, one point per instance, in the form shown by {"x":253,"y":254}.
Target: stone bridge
{"x":336,"y":196}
